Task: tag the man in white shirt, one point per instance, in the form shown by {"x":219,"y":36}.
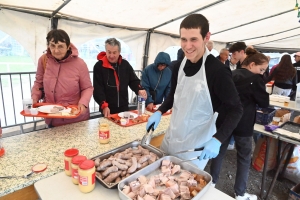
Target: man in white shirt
{"x":210,"y":46}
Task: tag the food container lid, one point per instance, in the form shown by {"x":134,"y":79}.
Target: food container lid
{"x":87,"y":164}
{"x":71,"y":152}
{"x":78,"y":159}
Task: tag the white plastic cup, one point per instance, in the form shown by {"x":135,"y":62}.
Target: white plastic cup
{"x":27,"y":105}
{"x":123,"y":121}
{"x":126,"y":116}
{"x":34,"y":111}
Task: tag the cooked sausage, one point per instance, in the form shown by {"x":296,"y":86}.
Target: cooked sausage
{"x":99,"y":175}
{"x":128,"y":163}
{"x":99,"y":169}
{"x":137,"y":151}
{"x":97,"y":162}
{"x":127,"y":156}
{"x":145,"y":152}
{"x":110,"y":170}
{"x":104,"y":164}
{"x":124,"y":173}
{"x":120,"y":161}
{"x":133,"y":166}
{"x":112,"y":176}
{"x":119,"y":165}
{"x":144,"y":164}
{"x":118,"y":179}
{"x":144,"y":158}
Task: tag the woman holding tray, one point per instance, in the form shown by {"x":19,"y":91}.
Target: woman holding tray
{"x":62,"y":78}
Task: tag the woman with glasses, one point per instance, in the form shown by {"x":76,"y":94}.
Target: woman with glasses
{"x":62,"y":78}
{"x":112,"y":76}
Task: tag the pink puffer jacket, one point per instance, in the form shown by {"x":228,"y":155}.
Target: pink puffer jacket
{"x":65,"y":82}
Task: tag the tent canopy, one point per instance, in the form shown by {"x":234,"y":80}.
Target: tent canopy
{"x":262,"y":23}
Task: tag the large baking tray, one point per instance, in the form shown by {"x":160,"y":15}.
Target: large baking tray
{"x":133,"y":144}
{"x":291,"y":127}
{"x":154,"y":169}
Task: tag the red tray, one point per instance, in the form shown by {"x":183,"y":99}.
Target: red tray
{"x":46,"y":115}
{"x":166,"y":113}
{"x":116,"y":119}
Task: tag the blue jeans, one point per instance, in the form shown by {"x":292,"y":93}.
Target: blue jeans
{"x":244,"y":148}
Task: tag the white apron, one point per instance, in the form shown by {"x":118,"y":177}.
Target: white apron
{"x":193,"y":121}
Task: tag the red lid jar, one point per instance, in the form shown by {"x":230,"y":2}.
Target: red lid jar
{"x":69,"y":154}
{"x":86,"y":173}
{"x":76,"y":160}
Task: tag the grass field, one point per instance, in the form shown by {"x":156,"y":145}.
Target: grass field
{"x":16,"y":64}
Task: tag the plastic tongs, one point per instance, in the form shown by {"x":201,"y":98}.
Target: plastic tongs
{"x":146,"y":139}
{"x":191,"y":150}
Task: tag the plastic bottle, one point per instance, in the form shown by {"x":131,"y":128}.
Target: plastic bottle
{"x":141,"y":105}
{"x":297,"y":100}
{"x":104,"y":133}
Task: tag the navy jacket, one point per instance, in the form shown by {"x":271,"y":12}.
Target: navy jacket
{"x":151,"y":75}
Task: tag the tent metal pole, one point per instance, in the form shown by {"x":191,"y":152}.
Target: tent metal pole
{"x":59,"y":8}
{"x":253,"y":21}
{"x":197,"y":10}
{"x":27,"y":11}
{"x":265,"y":35}
{"x":278,"y":39}
{"x":146,"y":51}
{"x":54,"y":23}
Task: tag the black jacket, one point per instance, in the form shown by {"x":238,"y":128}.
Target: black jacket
{"x":297,"y":66}
{"x":252,"y":91}
{"x":107,"y":79}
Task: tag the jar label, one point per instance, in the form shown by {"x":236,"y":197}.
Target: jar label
{"x":83,"y":180}
{"x":66,"y":165}
{"x":93,"y":178}
{"x":75,"y":173}
{"x":103,"y":135}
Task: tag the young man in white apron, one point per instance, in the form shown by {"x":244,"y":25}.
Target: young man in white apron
{"x":206,"y":105}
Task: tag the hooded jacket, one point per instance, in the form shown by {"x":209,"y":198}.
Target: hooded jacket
{"x":154,"y":79}
{"x":111,"y":83}
{"x":252,"y":92}
{"x":65,"y":82}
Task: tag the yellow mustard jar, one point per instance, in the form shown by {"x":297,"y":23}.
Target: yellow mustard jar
{"x":76,"y":160}
{"x":86,"y":172}
{"x":69,"y":154}
{"x":104,"y":133}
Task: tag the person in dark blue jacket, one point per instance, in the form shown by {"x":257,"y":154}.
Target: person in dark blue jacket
{"x":156,"y":80}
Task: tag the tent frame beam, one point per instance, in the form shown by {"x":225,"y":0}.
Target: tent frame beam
{"x":266,"y":35}
{"x":253,"y":21}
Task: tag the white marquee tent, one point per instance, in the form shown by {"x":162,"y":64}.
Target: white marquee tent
{"x":268,"y":24}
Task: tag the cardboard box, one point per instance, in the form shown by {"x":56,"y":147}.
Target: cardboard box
{"x":295,"y":193}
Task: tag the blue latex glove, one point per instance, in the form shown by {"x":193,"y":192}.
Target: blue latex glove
{"x":211,"y":149}
{"x":154,"y":118}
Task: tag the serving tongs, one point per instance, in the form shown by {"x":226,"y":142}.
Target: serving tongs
{"x":190,"y":150}
{"x":146,"y":139}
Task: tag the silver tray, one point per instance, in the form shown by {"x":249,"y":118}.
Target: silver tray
{"x":154,"y":169}
{"x":132,"y":144}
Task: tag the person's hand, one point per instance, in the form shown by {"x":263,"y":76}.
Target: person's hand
{"x":154,"y":118}
{"x":81,"y":108}
{"x":211,"y":149}
{"x":150,"y":106}
{"x":143,"y":93}
{"x":106,"y":111}
{"x":34,"y":101}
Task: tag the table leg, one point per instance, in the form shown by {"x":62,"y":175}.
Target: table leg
{"x":288,"y":158}
{"x":265,"y":168}
{"x":278,"y":169}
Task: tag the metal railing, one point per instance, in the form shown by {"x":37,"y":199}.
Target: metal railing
{"x":16,"y":86}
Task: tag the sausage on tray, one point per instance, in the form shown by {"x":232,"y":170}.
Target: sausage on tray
{"x":104,"y":164}
{"x":112,"y":176}
{"x":119,"y":165}
{"x":133,"y":166}
{"x":110,"y":170}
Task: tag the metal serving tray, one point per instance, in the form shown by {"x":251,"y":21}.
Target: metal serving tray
{"x":154,"y":169}
{"x":291,"y":127}
{"x":133,"y":144}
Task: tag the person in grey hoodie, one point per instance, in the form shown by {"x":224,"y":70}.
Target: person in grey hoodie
{"x":156,"y":80}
